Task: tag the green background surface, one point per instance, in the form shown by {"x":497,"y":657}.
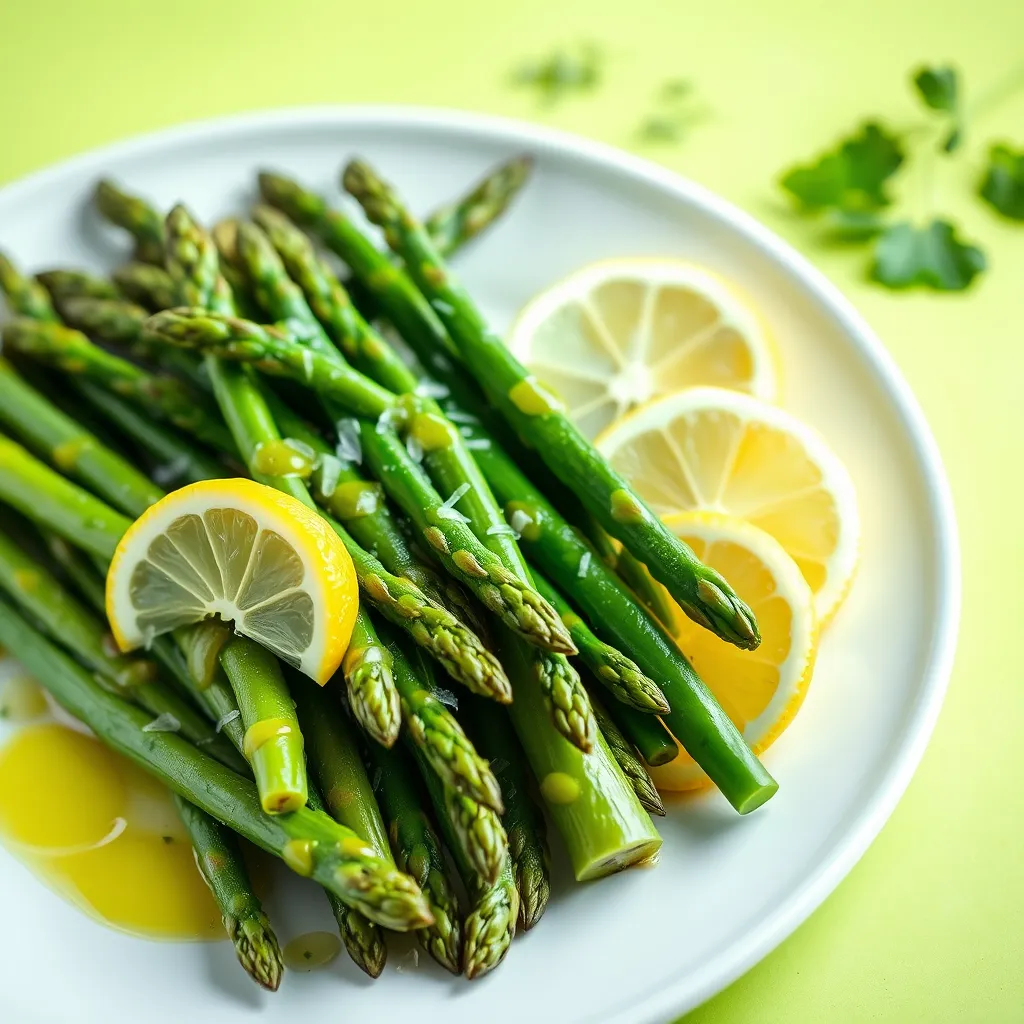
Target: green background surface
{"x":930,"y":925}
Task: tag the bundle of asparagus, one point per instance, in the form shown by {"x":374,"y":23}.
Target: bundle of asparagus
{"x":187,"y":364}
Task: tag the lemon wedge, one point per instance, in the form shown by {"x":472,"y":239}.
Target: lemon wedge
{"x":711,"y":449}
{"x":618,"y":333}
{"x":243,"y":551}
{"x":762,"y":690}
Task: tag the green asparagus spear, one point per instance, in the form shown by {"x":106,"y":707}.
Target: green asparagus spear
{"x":76,"y":284}
{"x":612,"y":669}
{"x":220,"y":861}
{"x":136,"y":216}
{"x":594,"y":808}
{"x":435,"y":731}
{"x":52,"y":434}
{"x":272,"y":350}
{"x":417,"y":851}
{"x":695,"y":719}
{"x":490,"y":925}
{"x":25,"y":296}
{"x":523,"y":818}
{"x":514,"y":602}
{"x":72,"y":352}
{"x":310,"y":843}
{"x":347,"y":796}
{"x":146,"y":284}
{"x":625,"y":756}
{"x":455,"y":224}
{"x":363,"y":940}
{"x":646,"y":733}
{"x":273,"y":743}
{"x":538,"y":417}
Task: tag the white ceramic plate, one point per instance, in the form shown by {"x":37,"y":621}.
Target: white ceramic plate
{"x":646,"y":945}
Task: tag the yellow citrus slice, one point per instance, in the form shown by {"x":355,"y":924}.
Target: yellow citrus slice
{"x":617,"y":333}
{"x":761,"y":691}
{"x":243,"y":551}
{"x":723,"y":451}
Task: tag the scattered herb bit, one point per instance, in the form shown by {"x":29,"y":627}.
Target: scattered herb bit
{"x":939,"y":89}
{"x":307,"y":954}
{"x":573,"y":70}
{"x":1003,"y":185}
{"x":932,"y":256}
{"x":168,"y":839}
{"x":674,"y":114}
{"x":850,"y":177}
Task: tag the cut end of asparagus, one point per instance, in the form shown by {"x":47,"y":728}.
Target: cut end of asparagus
{"x":724,"y":613}
{"x":257,"y":949}
{"x":490,"y":929}
{"x":761,"y":795}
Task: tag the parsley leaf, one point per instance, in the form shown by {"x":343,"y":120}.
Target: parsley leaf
{"x":939,"y":89}
{"x":563,"y":72}
{"x":932,"y":257}
{"x":1003,"y":185}
{"x":851,"y":177}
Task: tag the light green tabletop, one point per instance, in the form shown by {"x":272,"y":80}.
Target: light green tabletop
{"x":930,"y":925}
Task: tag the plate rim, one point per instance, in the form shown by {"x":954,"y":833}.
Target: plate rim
{"x":735,"y":960}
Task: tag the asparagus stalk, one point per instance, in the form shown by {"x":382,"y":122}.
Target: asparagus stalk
{"x":348,"y":798}
{"x":220,"y":861}
{"x":490,"y":925}
{"x":631,"y":766}
{"x":145,"y":284}
{"x":523,"y":818}
{"x":136,"y":216}
{"x":63,"y":442}
{"x":646,"y":733}
{"x":538,"y":417}
{"x":436,"y":733}
{"x":273,"y":743}
{"x":455,"y":224}
{"x":363,"y":940}
{"x":25,"y":296}
{"x":418,"y":853}
{"x":310,"y":843}
{"x":165,"y":397}
{"x":594,"y":808}
{"x":74,"y":284}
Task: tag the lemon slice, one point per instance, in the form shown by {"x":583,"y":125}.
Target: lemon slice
{"x":243,"y":551}
{"x":618,"y":333}
{"x":718,"y":450}
{"x":761,"y":691}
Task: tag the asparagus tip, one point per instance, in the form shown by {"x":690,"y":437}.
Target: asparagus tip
{"x":257,"y":949}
